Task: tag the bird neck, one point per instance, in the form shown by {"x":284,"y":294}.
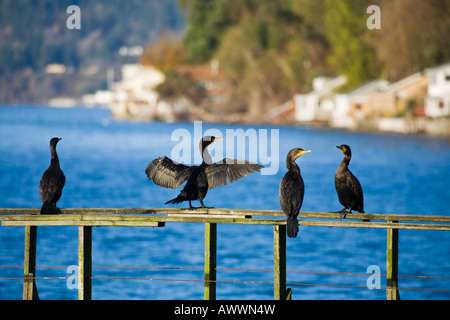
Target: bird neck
{"x":205,"y":155}
{"x":346,"y":161}
{"x":292,"y":166}
{"x":55,"y":159}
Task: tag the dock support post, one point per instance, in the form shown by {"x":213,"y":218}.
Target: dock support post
{"x":392,"y":265}
{"x":210,"y":260}
{"x":279,"y":248}
{"x":84,"y":263}
{"x":29,"y":271}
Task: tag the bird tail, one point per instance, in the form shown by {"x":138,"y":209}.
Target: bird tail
{"x":181,"y":197}
{"x":292,"y":227}
{"x":50,"y":208}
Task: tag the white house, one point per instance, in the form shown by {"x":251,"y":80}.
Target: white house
{"x":351,"y":106}
{"x":316,"y":104}
{"x":135,"y":94}
{"x":437,"y":102}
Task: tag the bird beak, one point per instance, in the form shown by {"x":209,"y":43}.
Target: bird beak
{"x":341,"y":148}
{"x":303,"y":152}
{"x":216,"y":139}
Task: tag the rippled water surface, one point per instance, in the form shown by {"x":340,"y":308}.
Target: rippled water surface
{"x":104,"y":162}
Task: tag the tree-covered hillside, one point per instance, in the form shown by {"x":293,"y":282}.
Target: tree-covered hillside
{"x":33,"y":34}
{"x":271,"y":49}
{"x":275,"y":48}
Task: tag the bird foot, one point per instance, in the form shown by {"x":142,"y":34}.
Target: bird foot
{"x":342,"y":210}
{"x":192,"y":207}
{"x":195,"y":208}
{"x":201,"y":207}
{"x":55,"y":212}
{"x":342,"y":213}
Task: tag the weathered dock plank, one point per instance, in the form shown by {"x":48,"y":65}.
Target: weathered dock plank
{"x":231,"y":212}
{"x":159,"y":220}
{"x":85,"y":219}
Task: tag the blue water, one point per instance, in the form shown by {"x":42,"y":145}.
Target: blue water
{"x":104,"y":162}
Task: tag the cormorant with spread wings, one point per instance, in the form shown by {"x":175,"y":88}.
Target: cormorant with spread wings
{"x":169,"y":174}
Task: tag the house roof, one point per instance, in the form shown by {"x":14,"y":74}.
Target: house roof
{"x":438,"y":68}
{"x":406,"y":82}
{"x":327,"y":85}
{"x":375,"y":85}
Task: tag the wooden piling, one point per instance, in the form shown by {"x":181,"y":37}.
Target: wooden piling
{"x":210,"y":260}
{"x":84,"y":263}
{"x":392,"y":265}
{"x":279,"y":249}
{"x":29,"y":285}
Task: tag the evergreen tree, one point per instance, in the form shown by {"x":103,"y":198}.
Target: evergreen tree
{"x":350,"y":51}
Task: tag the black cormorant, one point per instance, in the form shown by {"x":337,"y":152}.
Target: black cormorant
{"x":292,"y":190}
{"x":167,"y":173}
{"x":52,"y":183}
{"x":348,"y":188}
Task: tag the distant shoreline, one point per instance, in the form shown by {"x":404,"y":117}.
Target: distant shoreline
{"x":438,"y":127}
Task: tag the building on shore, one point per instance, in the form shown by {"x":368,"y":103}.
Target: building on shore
{"x":413,"y":104}
{"x":437,"y":103}
{"x":134,"y":96}
{"x":317,"y":105}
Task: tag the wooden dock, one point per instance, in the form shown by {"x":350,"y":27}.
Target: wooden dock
{"x":85,"y":219}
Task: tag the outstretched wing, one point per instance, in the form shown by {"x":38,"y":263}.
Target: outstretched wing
{"x":167,"y":173}
{"x":229,"y":169}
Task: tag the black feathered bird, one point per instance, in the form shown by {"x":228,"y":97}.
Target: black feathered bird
{"x":292,"y":191}
{"x":167,"y":173}
{"x":348,"y":188}
{"x":52,"y":182}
